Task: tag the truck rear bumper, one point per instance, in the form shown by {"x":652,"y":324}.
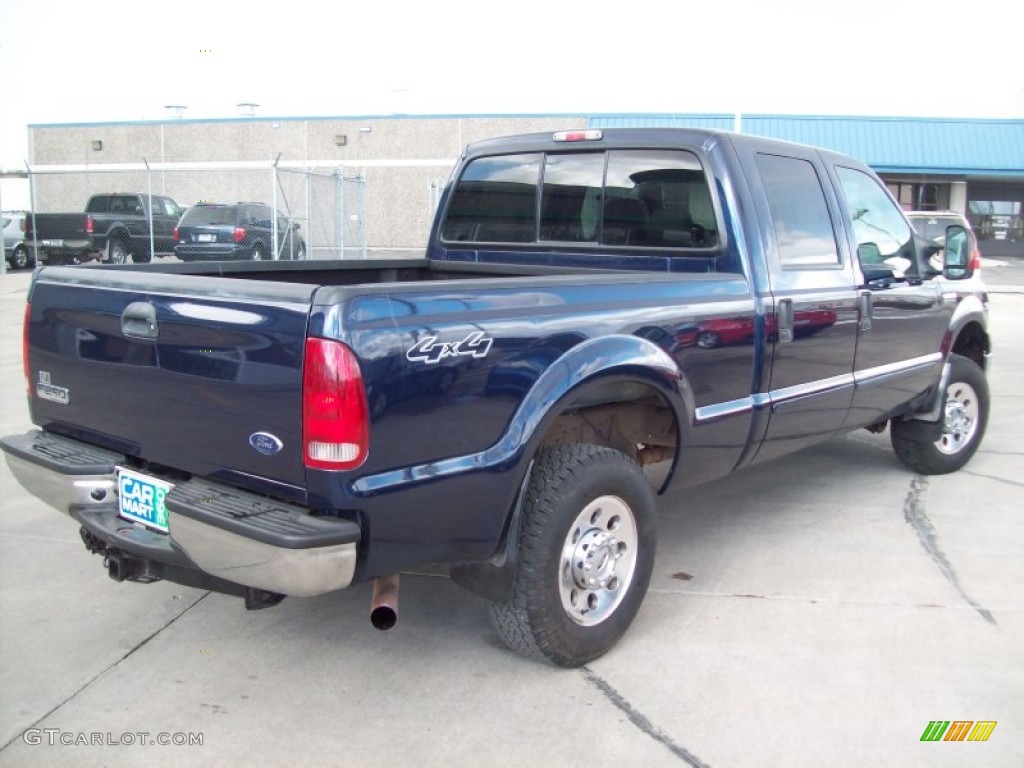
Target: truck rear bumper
{"x":231,"y":535}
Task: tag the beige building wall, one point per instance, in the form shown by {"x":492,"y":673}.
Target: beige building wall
{"x":395,"y":160}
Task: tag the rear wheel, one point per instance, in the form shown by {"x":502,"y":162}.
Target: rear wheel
{"x":19,"y":258}
{"x":118,"y":252}
{"x":586,"y":551}
{"x":257,"y":253}
{"x":964,"y":418}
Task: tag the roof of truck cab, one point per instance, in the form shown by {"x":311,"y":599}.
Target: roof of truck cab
{"x":652,"y":137}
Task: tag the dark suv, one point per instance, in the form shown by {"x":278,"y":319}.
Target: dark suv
{"x":220,"y":231}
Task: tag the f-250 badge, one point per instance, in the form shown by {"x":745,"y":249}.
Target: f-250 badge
{"x":429,"y":350}
{"x":47,"y":390}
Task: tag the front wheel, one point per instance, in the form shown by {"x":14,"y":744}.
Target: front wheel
{"x":964,"y":418}
{"x":586,"y":550}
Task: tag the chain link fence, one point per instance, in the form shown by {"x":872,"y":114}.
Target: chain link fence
{"x":324,"y":209}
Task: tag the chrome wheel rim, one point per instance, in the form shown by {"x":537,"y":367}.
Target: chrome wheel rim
{"x":598,"y":560}
{"x":960,"y":422}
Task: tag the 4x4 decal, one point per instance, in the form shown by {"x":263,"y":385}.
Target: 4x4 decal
{"x":429,"y":350}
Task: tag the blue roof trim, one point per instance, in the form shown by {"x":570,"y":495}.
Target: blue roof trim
{"x":712,"y":122}
{"x":945,"y":146}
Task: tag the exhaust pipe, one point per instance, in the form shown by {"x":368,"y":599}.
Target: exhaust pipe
{"x":384,"y":606}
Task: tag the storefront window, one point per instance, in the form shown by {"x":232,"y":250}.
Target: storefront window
{"x":920,"y":196}
{"x":997,"y":220}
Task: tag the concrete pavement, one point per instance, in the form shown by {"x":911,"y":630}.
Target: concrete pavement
{"x":818,"y":611}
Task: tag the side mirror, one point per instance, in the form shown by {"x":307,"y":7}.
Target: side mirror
{"x":877,"y":274}
{"x":956,"y":256}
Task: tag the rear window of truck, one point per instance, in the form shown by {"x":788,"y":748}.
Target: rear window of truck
{"x":637,"y":198}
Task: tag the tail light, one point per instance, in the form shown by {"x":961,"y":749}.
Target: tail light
{"x":24,"y":349}
{"x":335,"y":419}
{"x":90,"y":225}
{"x":975,"y":263}
{"x":177,"y":236}
{"x":239,"y":234}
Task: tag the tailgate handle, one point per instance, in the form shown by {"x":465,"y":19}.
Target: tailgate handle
{"x":139,"y":321}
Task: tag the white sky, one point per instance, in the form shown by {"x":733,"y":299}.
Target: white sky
{"x":111,"y":60}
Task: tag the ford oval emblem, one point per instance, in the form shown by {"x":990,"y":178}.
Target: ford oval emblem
{"x":265,"y":443}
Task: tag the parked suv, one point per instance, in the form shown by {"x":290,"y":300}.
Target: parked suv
{"x":221,"y":231}
{"x":15,"y":250}
{"x":931,"y":225}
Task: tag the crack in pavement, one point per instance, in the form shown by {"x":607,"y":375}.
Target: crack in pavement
{"x":914,"y":514}
{"x":137,"y":647}
{"x":993,"y":477}
{"x":641,"y":722}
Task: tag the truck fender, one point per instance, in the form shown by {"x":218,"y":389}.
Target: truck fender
{"x":583,"y":366}
{"x":562,"y":384}
{"x":965,"y":336}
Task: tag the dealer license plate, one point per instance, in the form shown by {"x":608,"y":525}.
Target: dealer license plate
{"x":141,"y":499}
{"x":206,"y":238}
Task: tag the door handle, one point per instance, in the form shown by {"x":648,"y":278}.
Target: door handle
{"x":785,"y":312}
{"x":865,"y":310}
{"x":139,"y":321}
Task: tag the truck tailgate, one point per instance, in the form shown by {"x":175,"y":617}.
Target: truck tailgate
{"x":202,"y":375}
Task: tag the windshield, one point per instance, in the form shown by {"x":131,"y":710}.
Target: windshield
{"x":933,"y":227}
{"x":209,"y":215}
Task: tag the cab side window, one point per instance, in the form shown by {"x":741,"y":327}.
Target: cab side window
{"x":885,"y":240}
{"x":803,"y":228}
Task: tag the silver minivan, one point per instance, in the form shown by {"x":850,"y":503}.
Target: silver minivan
{"x":15,"y":250}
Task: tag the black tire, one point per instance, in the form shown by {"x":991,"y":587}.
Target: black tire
{"x":708,"y":339}
{"x":20,"y":258}
{"x":588,"y":514}
{"x":965,"y":406}
{"x":257,"y":253}
{"x":117,"y":252}
{"x":142,"y":258}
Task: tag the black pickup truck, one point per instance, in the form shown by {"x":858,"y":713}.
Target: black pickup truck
{"x":602,"y":316}
{"x":112,"y":228}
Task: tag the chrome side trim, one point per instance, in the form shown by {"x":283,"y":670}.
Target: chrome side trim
{"x":722,"y":410}
{"x":775,"y":397}
{"x":742,"y":405}
{"x":818,"y":387}
{"x":870,"y":375}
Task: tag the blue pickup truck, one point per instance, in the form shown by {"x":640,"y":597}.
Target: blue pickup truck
{"x":601,"y":316}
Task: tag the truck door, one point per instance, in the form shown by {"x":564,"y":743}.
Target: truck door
{"x":811,"y":312}
{"x":903,"y":315}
